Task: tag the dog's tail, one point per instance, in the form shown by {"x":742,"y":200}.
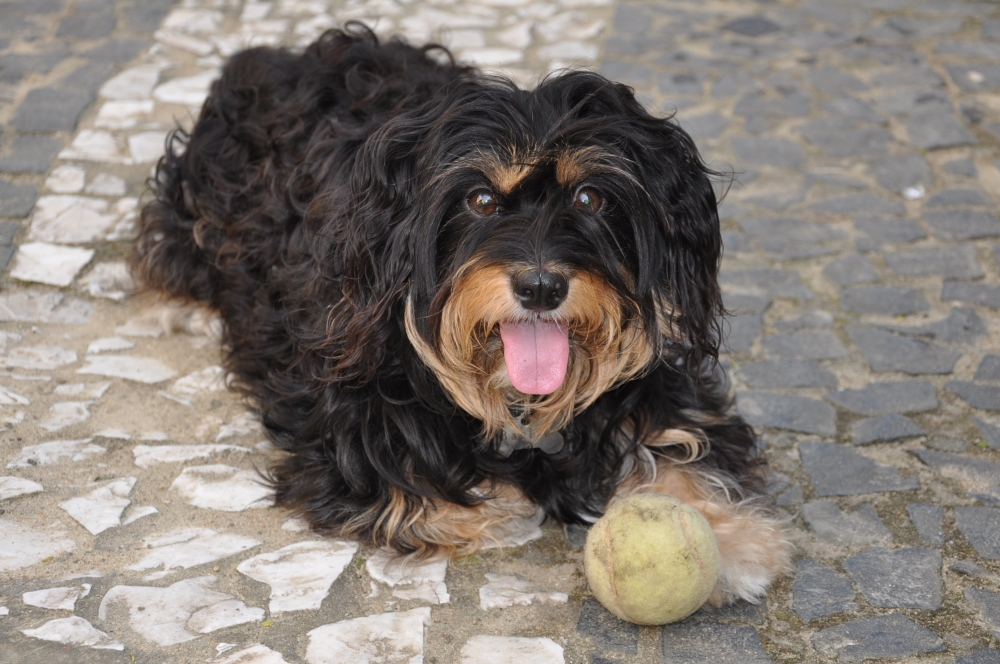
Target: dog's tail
{"x":173,"y":251}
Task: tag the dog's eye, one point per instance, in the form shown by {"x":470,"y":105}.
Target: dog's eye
{"x":483,"y":201}
{"x":587,"y":199}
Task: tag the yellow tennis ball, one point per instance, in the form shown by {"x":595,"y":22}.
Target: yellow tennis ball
{"x":651,"y":559}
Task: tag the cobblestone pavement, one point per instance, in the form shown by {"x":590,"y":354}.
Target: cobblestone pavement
{"x":862,"y":269}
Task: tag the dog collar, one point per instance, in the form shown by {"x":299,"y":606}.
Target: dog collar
{"x":521,"y":439}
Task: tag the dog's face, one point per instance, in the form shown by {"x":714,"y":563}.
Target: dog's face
{"x":546,"y":245}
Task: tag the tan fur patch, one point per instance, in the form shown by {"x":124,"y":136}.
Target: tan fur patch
{"x":427,"y":529}
{"x":605,"y":349}
{"x":754,"y":545}
{"x":574,"y":165}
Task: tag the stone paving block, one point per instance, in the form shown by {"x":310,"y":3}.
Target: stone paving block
{"x":884,"y":428}
{"x":851,"y":204}
{"x":768,"y":152}
{"x":948,"y":198}
{"x":990,"y":432}
{"x":839,"y":137}
{"x":791,"y":239}
{"x":837,"y":470}
{"x":855,"y":109}
{"x":899,"y":578}
{"x":907,"y":396}
{"x":987,"y":295}
{"x":771,"y":281}
{"x":988,"y":605}
{"x":928,"y":520}
{"x":936,"y":129}
{"x":834,"y":81}
{"x":851,"y":269}
{"x":786,"y":373}
{"x":805,"y":346}
{"x":886,"y":300}
{"x":751,"y":26}
{"x":981,"y":526}
{"x":88,"y":78}
{"x":739,"y":332}
{"x":953,"y":262}
{"x":50,"y":109}
{"x":786,"y":411}
{"x":88,"y":19}
{"x":8,"y":229}
{"x":119,"y":50}
{"x":962,"y":325}
{"x":739,"y":611}
{"x":989,"y":369}
{"x":29,"y":154}
{"x":607,"y":631}
{"x":963,"y":224}
{"x":745,"y":304}
{"x":984,"y":656}
{"x":691,"y":642}
{"x":986,"y":397}
{"x":965,"y":167}
{"x":890,"y":636}
{"x":878,"y":232}
{"x":706,"y":125}
{"x":886,"y":351}
{"x":862,"y":527}
{"x":13,"y":66}
{"x":819,"y":591}
{"x":16,"y":200}
{"x":976,"y":77}
{"x":896,"y":173}
{"x":980,"y":478}
{"x":809,"y":320}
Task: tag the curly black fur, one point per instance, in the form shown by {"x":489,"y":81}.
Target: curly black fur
{"x":319,"y":191}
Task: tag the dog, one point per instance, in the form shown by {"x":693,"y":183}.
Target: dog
{"x":455,"y":303}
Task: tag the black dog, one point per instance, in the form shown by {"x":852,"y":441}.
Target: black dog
{"x":455,"y":302}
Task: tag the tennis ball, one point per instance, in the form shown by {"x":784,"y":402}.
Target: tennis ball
{"x":651,"y":559}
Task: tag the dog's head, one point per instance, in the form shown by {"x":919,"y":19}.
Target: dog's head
{"x":541,"y":246}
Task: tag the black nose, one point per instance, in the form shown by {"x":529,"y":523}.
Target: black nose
{"x":540,"y":290}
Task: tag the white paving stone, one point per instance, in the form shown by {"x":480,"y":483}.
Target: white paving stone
{"x":242,"y":425}
{"x":61,"y":599}
{"x":74,"y":631}
{"x":300,"y":575}
{"x":257,"y":654}
{"x":490,"y":57}
{"x":40,"y":358}
{"x":223,"y":614}
{"x":295,"y":525}
{"x":43,"y":306}
{"x":116,"y":434}
{"x":106,"y":344}
{"x":11,"y":487}
{"x":139,"y":512}
{"x":24,"y":546}
{"x":55,"y":451}
{"x":503,"y":591}
{"x":161,"y":615}
{"x":134,"y":83}
{"x":187,"y":547}
{"x":222,"y":487}
{"x":52,"y":264}
{"x":189,"y":90}
{"x":123,"y":114}
{"x":146,"y":147}
{"x":102,"y":508}
{"x":194,"y":21}
{"x":183,"y":41}
{"x":387,"y":638}
{"x":105,"y":184}
{"x":108,"y":280}
{"x":66,"y":179}
{"x":140,"y":369}
{"x":9,"y":397}
{"x":94,"y":145}
{"x":410,"y":580}
{"x":65,"y":414}
{"x":511,"y":650}
{"x":4,"y":611}
{"x":66,"y":219}
{"x":149,"y":455}
{"x":86,"y":390}
{"x":517,"y":532}
{"x":209,"y":379}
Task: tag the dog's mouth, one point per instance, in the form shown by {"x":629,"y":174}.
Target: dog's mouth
{"x":536,"y":354}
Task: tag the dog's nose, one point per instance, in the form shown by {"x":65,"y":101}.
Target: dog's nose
{"x":540,"y":290}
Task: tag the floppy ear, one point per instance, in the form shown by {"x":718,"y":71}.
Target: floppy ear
{"x":681,"y":197}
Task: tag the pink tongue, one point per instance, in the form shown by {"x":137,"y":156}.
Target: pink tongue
{"x":536,"y":355}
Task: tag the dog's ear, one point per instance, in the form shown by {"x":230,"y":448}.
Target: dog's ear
{"x":672,"y":213}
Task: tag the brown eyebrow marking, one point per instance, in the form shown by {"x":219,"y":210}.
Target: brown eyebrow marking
{"x":574,"y":165}
{"x":509,"y":170}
